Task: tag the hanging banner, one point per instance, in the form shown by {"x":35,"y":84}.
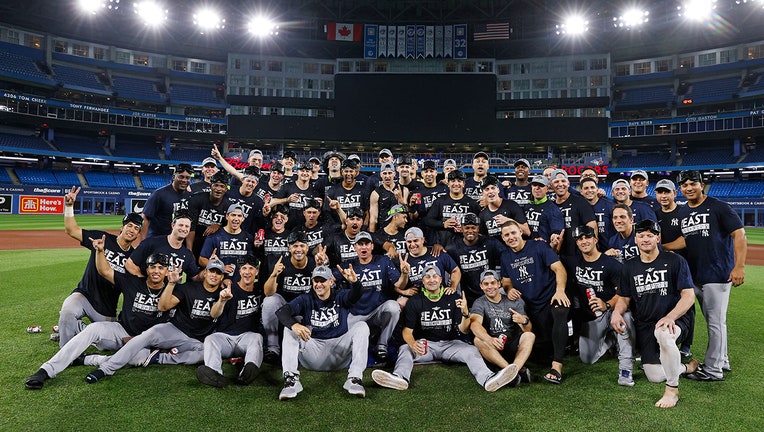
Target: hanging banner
{"x":420,"y":41}
{"x":448,"y":41}
{"x":391,"y":32}
{"x":382,"y":41}
{"x":460,"y":41}
{"x":401,"y":50}
{"x":370,"y":41}
{"x":438,"y":41}
{"x":410,"y":41}
{"x":429,"y":42}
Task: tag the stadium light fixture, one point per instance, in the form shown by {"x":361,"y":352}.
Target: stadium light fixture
{"x":113,"y":4}
{"x":573,"y":25}
{"x":697,"y":10}
{"x":208,"y":19}
{"x":261,"y":26}
{"x":91,"y":7}
{"x":631,"y":18}
{"x":151,"y":13}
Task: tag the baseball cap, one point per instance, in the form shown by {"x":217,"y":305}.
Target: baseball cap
{"x":456,"y":174}
{"x":297,"y":236}
{"x":449,"y":162}
{"x":489,"y":274}
{"x":413,"y":232}
{"x":356,"y":212}
{"x":558,"y":172}
{"x":405,"y":160}
{"x":349,"y":163}
{"x":691,"y":175}
{"x":647,"y":225}
{"x":430,"y":165}
{"x":219,"y":177}
{"x":387,"y":166}
{"x":209,"y":160}
{"x":355,"y":157}
{"x":394,"y":210}
{"x":255,"y":152}
{"x":314,"y":159}
{"x":333,"y":153}
{"x":489,"y":180}
{"x":289,"y":155}
{"x":385,"y":152}
{"x":665,"y":184}
{"x":522,"y":162}
{"x":158,"y":258}
{"x":640,"y":173}
{"x":235,"y":208}
{"x":322,"y":272}
{"x":135,"y":218}
{"x":470,"y":219}
{"x":540,"y":179}
{"x":431,"y":267}
{"x":277,"y":166}
{"x":583,"y":230}
{"x":248,"y":259}
{"x":481,"y":154}
{"x":362,"y":236}
{"x":216,"y":264}
{"x":184,"y":167}
{"x":621,"y":181}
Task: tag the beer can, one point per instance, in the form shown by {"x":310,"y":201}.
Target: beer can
{"x":590,"y":294}
{"x":34,"y":329}
{"x":260,"y":235}
{"x":267,"y":197}
{"x":174,"y":351}
{"x":424,"y":344}
{"x":55,"y":329}
{"x":503,"y":338}
{"x":418,"y":198}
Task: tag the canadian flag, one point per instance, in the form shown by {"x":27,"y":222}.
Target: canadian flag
{"x":344,"y":32}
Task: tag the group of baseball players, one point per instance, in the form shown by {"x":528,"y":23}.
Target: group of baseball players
{"x":413,"y":264}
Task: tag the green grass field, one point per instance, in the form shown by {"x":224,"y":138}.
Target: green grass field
{"x":35,"y":282}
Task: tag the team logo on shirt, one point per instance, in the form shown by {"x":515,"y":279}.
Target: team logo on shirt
{"x":474,"y":259}
{"x":590,"y":278}
{"x":209,"y":217}
{"x":146,"y":304}
{"x":297,"y":284}
{"x":696,"y":222}
{"x":248,"y":306}
{"x":325,"y":317}
{"x":436,"y":317}
{"x":201,"y":307}
{"x":116,"y":260}
{"x":651,"y":281}
{"x":371,"y":279}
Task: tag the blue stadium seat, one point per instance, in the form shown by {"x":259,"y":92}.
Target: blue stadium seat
{"x":154,"y":181}
{"x":34,"y":176}
{"x":21,"y":141}
{"x":67,"y":178}
{"x":124,"y":180}
{"x":5,"y":177}
{"x":100,"y":179}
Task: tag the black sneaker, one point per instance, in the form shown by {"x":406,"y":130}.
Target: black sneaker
{"x":272,"y":358}
{"x":209,"y":376}
{"x":515,"y":382}
{"x":685,"y":354}
{"x":95,"y":376}
{"x":79,"y":361}
{"x":36,"y":381}
{"x":248,"y":373}
{"x":525,"y":375}
{"x":382,"y":353}
{"x":702,"y":375}
{"x":153,"y":358}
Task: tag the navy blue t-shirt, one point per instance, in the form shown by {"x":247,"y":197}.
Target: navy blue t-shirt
{"x":544,"y":219}
{"x":433,"y":320}
{"x":181,"y":258}
{"x":602,"y":275}
{"x":101,"y":293}
{"x":378,"y":279}
{"x":530,"y":273}
{"x":473,"y":260}
{"x":508,"y":208}
{"x":160,"y":207}
{"x":140,"y":307}
{"x":192,"y":314}
{"x":242,"y":312}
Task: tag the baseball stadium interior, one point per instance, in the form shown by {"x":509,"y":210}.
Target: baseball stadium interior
{"x":110,"y":98}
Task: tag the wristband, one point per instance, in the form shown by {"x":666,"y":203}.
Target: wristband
{"x":68,"y":211}
{"x":527,"y":320}
{"x":607,"y":306}
{"x":465,"y":316}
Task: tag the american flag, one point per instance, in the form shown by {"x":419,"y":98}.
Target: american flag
{"x":494,"y":31}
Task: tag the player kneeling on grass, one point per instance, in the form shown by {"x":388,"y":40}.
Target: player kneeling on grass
{"x":660,"y":286}
{"x":501,"y":328}
{"x":596,"y":277}
{"x":194,"y":319}
{"x":433,"y":324}
{"x":236,"y":333}
{"x":140,"y":312}
{"x":324,"y":341}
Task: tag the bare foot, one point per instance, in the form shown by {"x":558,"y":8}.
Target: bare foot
{"x":669,"y":399}
{"x":691,"y":366}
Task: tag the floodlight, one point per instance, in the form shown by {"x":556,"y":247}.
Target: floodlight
{"x":151,"y":13}
{"x":573,"y":25}
{"x":262,"y":26}
{"x":208,"y":19}
{"x":697,"y":10}
{"x":631,"y":18}
{"x":91,"y":6}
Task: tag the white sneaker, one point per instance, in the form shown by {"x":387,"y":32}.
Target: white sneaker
{"x":354,"y":386}
{"x":386,"y":379}
{"x":625,"y":378}
{"x":292,"y":386}
{"x":501,"y":378}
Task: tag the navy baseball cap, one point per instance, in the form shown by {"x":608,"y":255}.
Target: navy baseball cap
{"x":647,"y":225}
{"x":182,"y":214}
{"x":135,"y":218}
{"x":158,"y":258}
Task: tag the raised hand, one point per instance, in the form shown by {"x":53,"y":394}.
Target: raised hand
{"x":404,"y":264}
